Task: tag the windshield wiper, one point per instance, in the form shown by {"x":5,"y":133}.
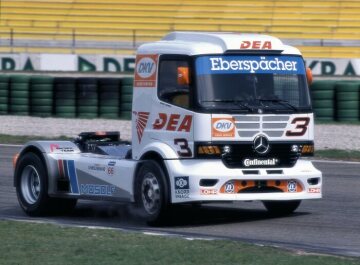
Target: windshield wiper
{"x":240,"y":103}
{"x":280,"y":101}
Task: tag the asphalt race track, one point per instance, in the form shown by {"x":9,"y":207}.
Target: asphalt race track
{"x":330,"y":225}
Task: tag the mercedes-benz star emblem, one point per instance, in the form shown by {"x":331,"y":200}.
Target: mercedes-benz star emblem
{"x":261,"y":144}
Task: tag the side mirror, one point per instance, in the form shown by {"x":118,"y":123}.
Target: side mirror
{"x":183,"y":77}
{"x":309,"y":76}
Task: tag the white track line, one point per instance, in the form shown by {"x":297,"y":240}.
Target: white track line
{"x":11,"y":145}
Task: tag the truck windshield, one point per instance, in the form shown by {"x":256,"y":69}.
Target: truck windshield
{"x":249,"y":83}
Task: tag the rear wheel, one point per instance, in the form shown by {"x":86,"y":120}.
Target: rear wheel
{"x":151,"y":192}
{"x":32,"y":185}
{"x":281,"y":207}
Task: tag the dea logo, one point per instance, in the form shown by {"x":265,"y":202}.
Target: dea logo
{"x":146,"y":67}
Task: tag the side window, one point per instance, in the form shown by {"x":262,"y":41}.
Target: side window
{"x":174,"y":82}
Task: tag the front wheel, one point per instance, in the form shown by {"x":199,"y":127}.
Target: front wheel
{"x":151,"y":192}
{"x":281,"y":207}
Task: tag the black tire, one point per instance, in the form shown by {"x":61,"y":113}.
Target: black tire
{"x":43,"y":108}
{"x":87,"y":102}
{"x":20,"y":109}
{"x":281,"y":207}
{"x":64,"y":80}
{"x":323,"y":85}
{"x":41,"y":101}
{"x":108,"y":88}
{"x":4,"y":78}
{"x":126,"y":106}
{"x":65,"y":102}
{"x":108,"y":109}
{"x":4,"y":93}
{"x":323,"y":103}
{"x":127,"y":81}
{"x":19,"y":94}
{"x":109,"y":95}
{"x":4,"y":108}
{"x":127,"y":90}
{"x":41,"y":80}
{"x":31,"y":181}
{"x":323,"y":94}
{"x":41,"y":94}
{"x":19,"y":87}
{"x":19,"y":79}
{"x":65,"y":95}
{"x":324,"y":112}
{"x":109,"y":103}
{"x":109,"y":82}
{"x":65,"y":109}
{"x":151,"y":192}
{"x":41,"y":87}
{"x":349,"y":104}
{"x":125,"y":115}
{"x":126,"y":98}
{"x":344,"y":96}
{"x":4,"y":100}
{"x":19,"y":101}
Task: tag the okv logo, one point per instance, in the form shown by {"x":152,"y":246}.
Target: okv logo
{"x":223,"y":125}
{"x":146,"y":67}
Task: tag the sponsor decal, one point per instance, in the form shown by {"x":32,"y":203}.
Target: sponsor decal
{"x":249,"y":64}
{"x":229,"y":187}
{"x":56,"y":148}
{"x":109,"y":169}
{"x":97,"y":167}
{"x":173,"y":122}
{"x":145,"y":70}
{"x":112,"y":163}
{"x":182,"y":187}
{"x":260,"y":162}
{"x":314,"y":190}
{"x":208,"y":191}
{"x":256,"y":44}
{"x":291,"y":186}
{"x":67,"y":171}
{"x":223,"y":127}
{"x":94,"y":189}
{"x":140,"y":123}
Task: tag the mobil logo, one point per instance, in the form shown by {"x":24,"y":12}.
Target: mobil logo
{"x":146,"y":67}
{"x":223,"y":125}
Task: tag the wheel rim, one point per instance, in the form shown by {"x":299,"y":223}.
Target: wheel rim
{"x":150,"y":193}
{"x":30,"y":184}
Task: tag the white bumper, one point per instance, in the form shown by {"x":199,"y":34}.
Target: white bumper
{"x":186,"y":175}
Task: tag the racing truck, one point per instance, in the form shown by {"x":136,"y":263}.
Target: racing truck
{"x":216,"y":117}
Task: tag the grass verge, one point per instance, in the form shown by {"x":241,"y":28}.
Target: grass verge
{"x":21,"y":139}
{"x":28,"y":243}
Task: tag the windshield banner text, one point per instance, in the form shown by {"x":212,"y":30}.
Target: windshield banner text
{"x":249,"y":64}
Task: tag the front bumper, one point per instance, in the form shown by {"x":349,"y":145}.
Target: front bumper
{"x":210,"y":180}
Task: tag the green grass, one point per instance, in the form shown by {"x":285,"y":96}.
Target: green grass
{"x":351,"y":155}
{"x":16,"y":139}
{"x":29,"y":243}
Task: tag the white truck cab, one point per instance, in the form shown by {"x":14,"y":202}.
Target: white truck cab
{"x":229,"y":114}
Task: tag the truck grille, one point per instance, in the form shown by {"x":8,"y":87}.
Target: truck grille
{"x":243,"y":156}
{"x":249,"y":126}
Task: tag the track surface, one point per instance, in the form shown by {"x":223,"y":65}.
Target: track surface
{"x":330,"y":225}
